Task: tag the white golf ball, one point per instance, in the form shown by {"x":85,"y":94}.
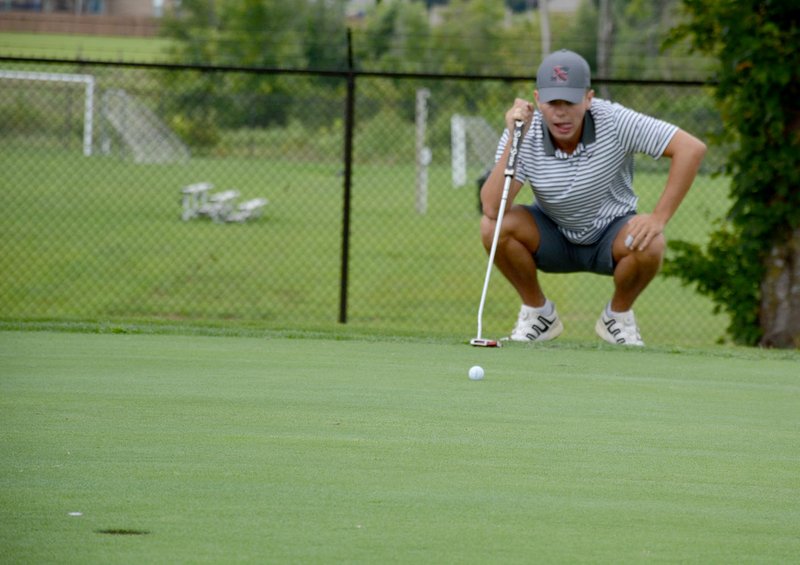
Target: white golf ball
{"x":476,"y":373}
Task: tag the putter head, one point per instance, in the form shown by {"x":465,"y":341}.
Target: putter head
{"x":480,"y":342}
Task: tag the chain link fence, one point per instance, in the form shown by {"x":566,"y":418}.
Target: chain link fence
{"x":156,"y":193}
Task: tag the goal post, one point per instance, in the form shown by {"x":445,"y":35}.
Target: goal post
{"x":86,"y":80}
{"x":423,"y":152}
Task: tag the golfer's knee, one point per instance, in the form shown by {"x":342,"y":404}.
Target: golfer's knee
{"x":518,"y":226}
{"x":657,"y":247}
{"x":653,"y":255}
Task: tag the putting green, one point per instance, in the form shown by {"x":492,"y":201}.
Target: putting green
{"x":170,"y":448}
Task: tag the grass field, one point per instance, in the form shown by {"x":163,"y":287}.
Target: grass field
{"x":101,"y":239}
{"x":93,"y":47}
{"x":320,"y":449}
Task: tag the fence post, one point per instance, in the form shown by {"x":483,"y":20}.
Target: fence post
{"x":348,"y":173}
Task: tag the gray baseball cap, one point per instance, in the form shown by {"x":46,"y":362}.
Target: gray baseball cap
{"x":563,"y":75}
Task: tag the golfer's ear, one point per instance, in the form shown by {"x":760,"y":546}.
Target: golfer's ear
{"x":536,"y":96}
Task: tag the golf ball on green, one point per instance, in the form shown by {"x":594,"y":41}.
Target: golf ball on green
{"x":476,"y":373}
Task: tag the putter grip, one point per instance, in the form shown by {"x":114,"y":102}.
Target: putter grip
{"x":516,"y":135}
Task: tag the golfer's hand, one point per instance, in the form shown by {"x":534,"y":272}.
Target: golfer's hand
{"x":521,"y":110}
{"x":642,"y":229}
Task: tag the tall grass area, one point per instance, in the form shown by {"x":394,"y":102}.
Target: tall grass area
{"x":101,"y":239}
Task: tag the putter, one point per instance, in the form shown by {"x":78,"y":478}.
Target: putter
{"x":479,"y":340}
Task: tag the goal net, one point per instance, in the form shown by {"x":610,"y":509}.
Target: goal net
{"x":140,"y":130}
{"x":474,"y":144}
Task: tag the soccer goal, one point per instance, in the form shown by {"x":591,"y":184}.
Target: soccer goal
{"x":86,"y":80}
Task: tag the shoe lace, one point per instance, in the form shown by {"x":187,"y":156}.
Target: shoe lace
{"x":624,"y":328}
{"x":521,"y":326}
{"x":629,"y":329}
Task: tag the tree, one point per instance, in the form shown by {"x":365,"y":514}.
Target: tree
{"x":250,"y":33}
{"x":751,"y":265}
{"x":242,"y":32}
{"x":473,"y":40}
{"x":396,"y":36}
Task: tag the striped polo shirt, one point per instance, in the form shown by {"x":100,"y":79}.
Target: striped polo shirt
{"x":583,"y":192}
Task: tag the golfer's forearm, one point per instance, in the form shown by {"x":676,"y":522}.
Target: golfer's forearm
{"x":491,"y":192}
{"x":492,"y":189}
{"x":674,"y":193}
{"x":687,"y":153}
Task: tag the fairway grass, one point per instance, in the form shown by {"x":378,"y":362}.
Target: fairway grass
{"x":279,"y":450}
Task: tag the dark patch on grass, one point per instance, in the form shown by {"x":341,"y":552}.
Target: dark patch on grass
{"x":122,"y":532}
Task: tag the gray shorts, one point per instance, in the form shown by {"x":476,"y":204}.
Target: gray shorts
{"x":556,"y":254}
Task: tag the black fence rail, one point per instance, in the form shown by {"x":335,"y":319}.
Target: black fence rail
{"x":281,"y":199}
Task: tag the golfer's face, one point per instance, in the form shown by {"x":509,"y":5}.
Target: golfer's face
{"x":565,"y":119}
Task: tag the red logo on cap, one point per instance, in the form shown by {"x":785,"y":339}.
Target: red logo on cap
{"x":560,"y":74}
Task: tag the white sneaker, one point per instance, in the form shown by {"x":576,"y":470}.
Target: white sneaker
{"x":619,"y":328}
{"x":537,"y":324}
